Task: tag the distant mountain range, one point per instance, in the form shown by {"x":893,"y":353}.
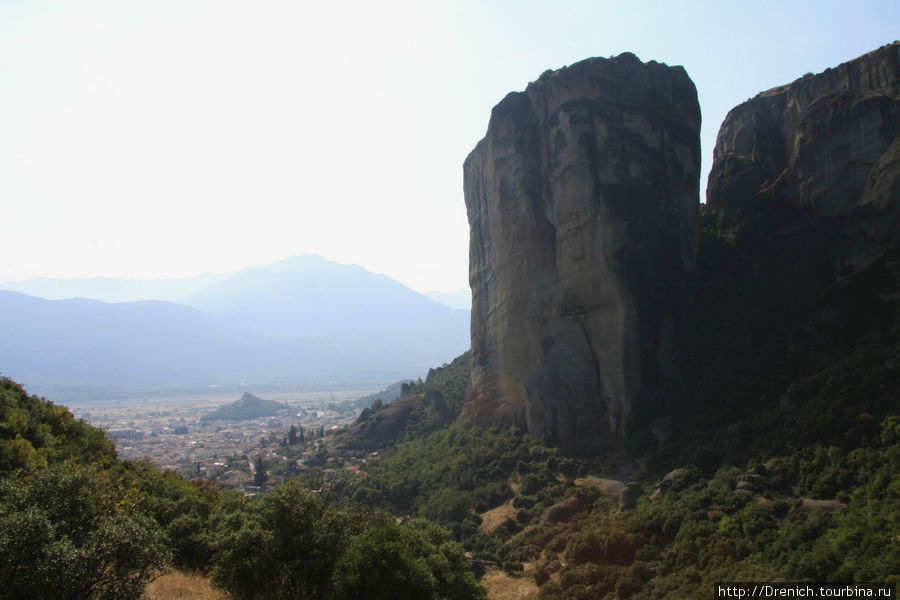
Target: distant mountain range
{"x":113,"y":289}
{"x":301,"y":320}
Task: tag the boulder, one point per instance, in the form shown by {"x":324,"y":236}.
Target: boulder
{"x":667,"y":482}
{"x":629,"y":496}
{"x":562,"y":512}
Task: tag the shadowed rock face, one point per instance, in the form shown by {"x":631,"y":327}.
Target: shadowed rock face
{"x":582,"y":202}
{"x":808,"y":172}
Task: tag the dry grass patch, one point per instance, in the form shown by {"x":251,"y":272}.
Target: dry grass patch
{"x":179,"y":585}
{"x":495,"y":517}
{"x":501,"y":586}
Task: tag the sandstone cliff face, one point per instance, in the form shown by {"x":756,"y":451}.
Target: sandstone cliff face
{"x":807,"y":172}
{"x":582,"y":202}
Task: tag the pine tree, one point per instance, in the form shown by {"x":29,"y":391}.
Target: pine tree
{"x":260,"y":476}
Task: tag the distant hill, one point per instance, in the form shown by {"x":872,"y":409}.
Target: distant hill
{"x":247,"y":408}
{"x":302,"y":320}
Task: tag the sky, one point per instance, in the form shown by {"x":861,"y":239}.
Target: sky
{"x":170,"y":138}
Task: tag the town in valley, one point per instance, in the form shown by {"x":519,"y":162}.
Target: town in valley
{"x":176,"y":433}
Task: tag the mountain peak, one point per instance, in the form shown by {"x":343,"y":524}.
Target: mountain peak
{"x":300,"y":261}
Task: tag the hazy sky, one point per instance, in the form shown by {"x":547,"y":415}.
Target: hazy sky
{"x":167,"y":138}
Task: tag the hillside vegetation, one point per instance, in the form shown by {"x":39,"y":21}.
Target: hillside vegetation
{"x":807,"y":490}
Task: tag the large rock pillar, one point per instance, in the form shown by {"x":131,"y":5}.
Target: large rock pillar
{"x":582,"y":202}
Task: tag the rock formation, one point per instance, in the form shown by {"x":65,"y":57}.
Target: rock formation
{"x":562,"y":512}
{"x":376,"y":431}
{"x":629,"y":496}
{"x":808,"y":173}
{"x":584,"y":217}
{"x":582,"y":202}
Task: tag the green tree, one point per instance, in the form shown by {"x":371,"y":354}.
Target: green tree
{"x":68,"y":533}
{"x":259,"y":471}
{"x":181,"y":507}
{"x":414,"y":561}
{"x":282,"y":546}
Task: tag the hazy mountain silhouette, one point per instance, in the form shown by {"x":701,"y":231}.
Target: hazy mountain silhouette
{"x":85,"y":342}
{"x":327,"y":302}
{"x":301,"y":320}
{"x":113,"y":289}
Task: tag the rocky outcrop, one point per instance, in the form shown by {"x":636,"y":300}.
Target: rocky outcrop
{"x":611,"y":488}
{"x":628,"y":497}
{"x":666,"y":483}
{"x":808,"y":174}
{"x":562,"y":512}
{"x":582,"y":202}
{"x":377,"y":430}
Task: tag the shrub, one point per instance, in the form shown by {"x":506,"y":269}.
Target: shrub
{"x":415,"y":560}
{"x":282,"y":546}
{"x":68,"y":533}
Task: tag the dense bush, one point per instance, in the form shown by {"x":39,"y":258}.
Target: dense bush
{"x":291,"y":544}
{"x":282,"y":546}
{"x":415,"y":560}
{"x":181,"y":507}
{"x":67,"y":532}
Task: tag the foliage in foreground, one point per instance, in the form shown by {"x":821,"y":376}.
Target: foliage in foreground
{"x":69,"y":533}
{"x":291,"y":545}
{"x":416,"y":559}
